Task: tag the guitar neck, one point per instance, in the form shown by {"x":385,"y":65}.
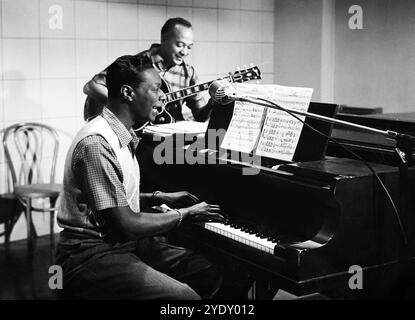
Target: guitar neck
{"x":190,"y":91}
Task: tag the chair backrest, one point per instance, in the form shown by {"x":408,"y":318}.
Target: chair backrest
{"x":30,"y":140}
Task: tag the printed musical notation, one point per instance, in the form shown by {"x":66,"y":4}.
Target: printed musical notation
{"x":281,"y":131}
{"x":244,"y":129}
{"x":265,"y":131}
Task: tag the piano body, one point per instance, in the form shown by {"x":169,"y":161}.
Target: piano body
{"x":300,"y":226}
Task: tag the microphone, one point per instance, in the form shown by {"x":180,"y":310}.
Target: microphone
{"x":222,"y":92}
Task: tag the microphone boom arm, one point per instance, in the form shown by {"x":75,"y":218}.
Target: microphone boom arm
{"x":405,"y":142}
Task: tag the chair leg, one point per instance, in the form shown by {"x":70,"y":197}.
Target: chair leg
{"x":52,"y":238}
{"x":34,"y":232}
{"x":7,"y":227}
{"x":52,"y":232}
{"x":29,"y":220}
{"x":52,"y":223}
{"x":10,"y":224}
{"x":52,"y":216}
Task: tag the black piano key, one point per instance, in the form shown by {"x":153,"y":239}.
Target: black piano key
{"x":244,"y":226}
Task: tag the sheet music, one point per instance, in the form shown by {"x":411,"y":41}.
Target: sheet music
{"x":184,"y":127}
{"x":245,"y":127}
{"x":281,"y":131}
{"x":191,"y":127}
{"x":275,"y":137}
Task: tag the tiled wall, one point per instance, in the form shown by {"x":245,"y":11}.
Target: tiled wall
{"x":43,"y":68}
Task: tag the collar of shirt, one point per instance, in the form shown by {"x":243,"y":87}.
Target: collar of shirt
{"x":124,"y":136}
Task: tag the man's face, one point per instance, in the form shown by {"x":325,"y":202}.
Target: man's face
{"x":177,"y":45}
{"x":147,"y":96}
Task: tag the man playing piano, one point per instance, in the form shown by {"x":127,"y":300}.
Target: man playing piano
{"x":168,"y":59}
{"x":108,"y":247}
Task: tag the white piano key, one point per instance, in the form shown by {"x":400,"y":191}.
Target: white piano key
{"x":241,"y":236}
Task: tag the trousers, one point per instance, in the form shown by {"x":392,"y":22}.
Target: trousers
{"x":144,"y":269}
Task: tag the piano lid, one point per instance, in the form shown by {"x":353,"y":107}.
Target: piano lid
{"x":370,"y":146}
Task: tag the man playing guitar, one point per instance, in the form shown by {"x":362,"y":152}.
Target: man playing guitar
{"x":168,"y":59}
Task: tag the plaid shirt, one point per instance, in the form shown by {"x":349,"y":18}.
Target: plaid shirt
{"x":177,"y":77}
{"x":97,"y":169}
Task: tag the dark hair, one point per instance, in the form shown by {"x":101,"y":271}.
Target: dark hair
{"x":168,"y":27}
{"x":126,"y":70}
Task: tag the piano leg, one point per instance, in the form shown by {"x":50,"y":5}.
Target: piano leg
{"x":262,"y":290}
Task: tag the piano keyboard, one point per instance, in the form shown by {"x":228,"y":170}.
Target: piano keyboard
{"x":239,"y":234}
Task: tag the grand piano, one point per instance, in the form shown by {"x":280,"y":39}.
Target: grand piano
{"x":302,"y":226}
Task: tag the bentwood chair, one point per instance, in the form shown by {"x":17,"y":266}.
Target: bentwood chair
{"x":31,"y":151}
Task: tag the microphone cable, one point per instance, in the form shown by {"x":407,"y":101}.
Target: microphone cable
{"x":347,"y":149}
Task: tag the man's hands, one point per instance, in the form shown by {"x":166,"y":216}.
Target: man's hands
{"x":177,"y":199}
{"x":203,"y":212}
{"x":190,"y":206}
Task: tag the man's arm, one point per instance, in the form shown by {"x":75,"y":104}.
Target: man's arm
{"x":172,"y":199}
{"x":200,"y":109}
{"x":96,"y":88}
{"x":138,"y":225}
{"x":100,"y":178}
{"x":134,"y":226}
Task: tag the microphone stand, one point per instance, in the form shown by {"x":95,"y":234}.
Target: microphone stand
{"x":405,"y":142}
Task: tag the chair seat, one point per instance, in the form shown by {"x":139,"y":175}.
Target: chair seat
{"x":38,"y":190}
{"x":8,"y":196}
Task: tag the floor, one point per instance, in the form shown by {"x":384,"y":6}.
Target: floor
{"x":24,"y":275}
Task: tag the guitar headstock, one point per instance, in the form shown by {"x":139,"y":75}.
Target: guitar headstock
{"x":245,"y":74}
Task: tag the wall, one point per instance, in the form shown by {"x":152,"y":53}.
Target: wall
{"x":372,"y":67}
{"x":376,"y":66}
{"x":298,"y":44}
{"x":42,"y":71}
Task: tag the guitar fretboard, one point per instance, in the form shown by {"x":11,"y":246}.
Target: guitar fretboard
{"x":239,"y":76}
{"x":189,"y":91}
